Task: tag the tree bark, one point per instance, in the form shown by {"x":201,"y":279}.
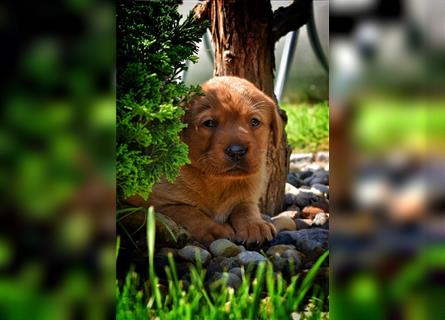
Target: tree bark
{"x":244,"y":47}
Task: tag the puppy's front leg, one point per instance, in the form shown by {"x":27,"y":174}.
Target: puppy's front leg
{"x":248,"y":225}
{"x":201,"y":227}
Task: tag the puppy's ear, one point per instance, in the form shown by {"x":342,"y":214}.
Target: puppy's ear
{"x":276,"y":126}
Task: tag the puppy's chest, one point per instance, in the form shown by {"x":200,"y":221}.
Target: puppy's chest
{"x":220,"y":203}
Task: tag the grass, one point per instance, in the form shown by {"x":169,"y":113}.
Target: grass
{"x":308,"y":126}
{"x":264,"y":296}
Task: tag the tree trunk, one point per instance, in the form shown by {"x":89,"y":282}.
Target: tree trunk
{"x":244,"y":47}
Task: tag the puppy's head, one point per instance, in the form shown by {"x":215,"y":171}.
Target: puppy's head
{"x":229,"y":127}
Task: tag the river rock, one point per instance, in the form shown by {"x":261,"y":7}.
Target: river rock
{"x":322,"y":156}
{"x":312,"y":242}
{"x":224,"y":247}
{"x":190,"y":253}
{"x":279,"y":249}
{"x":238,"y":271}
{"x":303,"y":223}
{"x":320,"y":187}
{"x":250,"y":257}
{"x":320,"y":219}
{"x":225,"y":279}
{"x":290,"y":189}
{"x":293,"y":179}
{"x":283,"y":223}
{"x":310,"y":212}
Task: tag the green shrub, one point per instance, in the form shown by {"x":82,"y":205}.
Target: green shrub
{"x":152,"y":48}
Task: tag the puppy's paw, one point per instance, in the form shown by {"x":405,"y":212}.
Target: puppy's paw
{"x":256,"y":230}
{"x":208,"y":234}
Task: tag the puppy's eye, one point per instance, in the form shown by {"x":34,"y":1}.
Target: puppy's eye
{"x":255,"y":122}
{"x":209,"y":123}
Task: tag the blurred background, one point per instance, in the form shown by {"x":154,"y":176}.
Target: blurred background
{"x":387,"y":115}
{"x":57,"y":239}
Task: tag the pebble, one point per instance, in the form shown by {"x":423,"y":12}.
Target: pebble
{"x":289,"y":214}
{"x":293,"y":254}
{"x":293,"y":258}
{"x":278,"y":263}
{"x":322,"y":156}
{"x":321,"y":187}
{"x":301,"y":157}
{"x":189,"y":253}
{"x":250,"y":257}
{"x":225,"y":279}
{"x":293,"y":179}
{"x":311,"y":242}
{"x":320,"y":219}
{"x":313,"y":167}
{"x":290,"y":189}
{"x":284,"y":223}
{"x":324,"y":181}
{"x":310,"y":212}
{"x":303,"y":199}
{"x":222,"y":264}
{"x":307,"y":198}
{"x":224,"y":247}
{"x":303,"y":223}
{"x":279,"y":249}
{"x":289,"y":199}
{"x":305,"y":174}
{"x":238,"y":271}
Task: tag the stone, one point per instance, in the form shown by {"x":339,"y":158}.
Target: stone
{"x":288,"y":199}
{"x":320,"y":187}
{"x":313,"y":167}
{"x":306,"y":198}
{"x":320,"y":219}
{"x":278,"y":263}
{"x":324,"y":181}
{"x":312,"y":242}
{"x":303,"y":223}
{"x":293,"y":254}
{"x":238,"y":271}
{"x":291,"y":189}
{"x":250,"y":257}
{"x":293,"y":179}
{"x":279,"y":249}
{"x":293,"y":257}
{"x":307,"y":181}
{"x":310,"y":212}
{"x":190,"y":253}
{"x":301,"y":157}
{"x":288,"y":213}
{"x":293,"y":207}
{"x":284,"y":223}
{"x":221,"y":264}
{"x":225,"y":279}
{"x":224,"y":247}
{"x":322,"y":156}
{"x":305,"y":174}
{"x":241,"y":248}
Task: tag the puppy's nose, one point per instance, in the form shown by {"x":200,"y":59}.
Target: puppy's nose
{"x":236,"y":151}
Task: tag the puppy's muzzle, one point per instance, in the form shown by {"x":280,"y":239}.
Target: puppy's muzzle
{"x":236,"y":152}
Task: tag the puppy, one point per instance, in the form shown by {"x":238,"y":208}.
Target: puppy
{"x":217,"y":194}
